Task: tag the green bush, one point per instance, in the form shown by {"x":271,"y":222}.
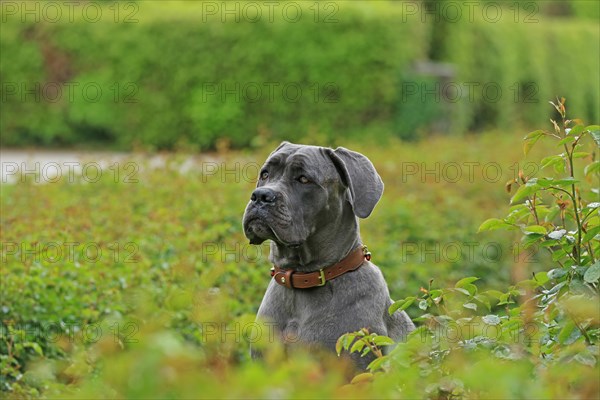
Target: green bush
{"x":194,"y":81}
{"x":523,"y":60}
{"x":542,"y":328}
{"x":179,"y":78}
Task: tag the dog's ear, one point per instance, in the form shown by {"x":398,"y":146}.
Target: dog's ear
{"x":359,"y":175}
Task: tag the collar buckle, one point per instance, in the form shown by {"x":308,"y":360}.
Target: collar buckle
{"x":322,"y":279}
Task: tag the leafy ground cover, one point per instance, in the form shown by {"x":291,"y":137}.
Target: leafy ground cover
{"x":145,"y":287}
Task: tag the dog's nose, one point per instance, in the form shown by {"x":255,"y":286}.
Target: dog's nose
{"x":263,"y":195}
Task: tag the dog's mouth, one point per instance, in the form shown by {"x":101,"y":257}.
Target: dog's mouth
{"x":257,"y":229}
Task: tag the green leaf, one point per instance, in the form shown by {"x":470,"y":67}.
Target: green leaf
{"x":472,"y":289}
{"x":541,"y":182}
{"x":559,"y":168}
{"x":471,"y":306}
{"x":364,"y":377}
{"x":591,"y":233}
{"x":567,"y":139}
{"x":527,"y":284}
{"x":383,"y":341}
{"x":491,"y":224}
{"x":401,"y":304}
{"x":36,"y":347}
{"x":585,"y":358}
{"x":483,"y":300}
{"x":557,"y":234}
{"x":517,"y":212}
{"x":554,"y":211}
{"x":595,"y":132}
{"x":505,"y":299}
{"x":556,"y":273}
{"x":348,"y":339}
{"x":564,"y":182}
{"x":357,"y":346}
{"x":534,"y":134}
{"x":580,"y":154}
{"x":525,"y":191}
{"x":463,"y":291}
{"x":377,"y":363}
{"x":593,"y":273}
{"x":530,"y":239}
{"x":541,"y":278}
{"x":552,"y":160}
{"x":491,"y":319}
{"x":534,"y":229}
{"x":494,"y":293}
{"x":569,"y":333}
{"x":338,"y":345}
{"x":423,"y":305}
{"x":560,"y":182}
{"x":345,"y":341}
{"x":461,"y":283}
{"x":576,"y":130}
{"x":531,"y":139}
{"x":593,"y":167}
{"x":578,"y":287}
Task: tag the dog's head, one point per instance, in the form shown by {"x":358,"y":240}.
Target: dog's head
{"x":303,"y":188}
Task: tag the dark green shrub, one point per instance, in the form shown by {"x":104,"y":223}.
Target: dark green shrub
{"x":524,"y":341}
{"x":179,"y":79}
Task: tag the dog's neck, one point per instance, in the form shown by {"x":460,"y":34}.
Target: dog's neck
{"x":327,"y":246}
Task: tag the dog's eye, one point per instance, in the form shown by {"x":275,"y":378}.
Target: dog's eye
{"x":303,"y":179}
{"x":264,"y":175}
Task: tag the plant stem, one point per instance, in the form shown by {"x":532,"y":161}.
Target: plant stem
{"x":573,"y":191}
{"x":575,"y":207}
{"x":582,"y":330}
{"x":374,"y":349}
{"x":534,"y":210}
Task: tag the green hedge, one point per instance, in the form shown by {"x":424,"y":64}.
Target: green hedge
{"x":181,"y":78}
{"x":530,"y":63}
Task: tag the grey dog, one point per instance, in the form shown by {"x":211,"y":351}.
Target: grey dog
{"x":307,"y":202}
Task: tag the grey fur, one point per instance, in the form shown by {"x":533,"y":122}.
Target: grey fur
{"x":311,"y":226}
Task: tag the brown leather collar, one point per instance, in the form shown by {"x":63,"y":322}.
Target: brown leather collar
{"x":304,"y":280}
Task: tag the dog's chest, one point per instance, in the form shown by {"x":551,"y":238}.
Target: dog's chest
{"x":300,"y":314}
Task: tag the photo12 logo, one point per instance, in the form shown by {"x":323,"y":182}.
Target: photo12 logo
{"x":226,"y":172}
{"x":466,"y":251}
{"x":69,"y":92}
{"x":470,"y":11}
{"x":325,"y":12}
{"x":235,"y":252}
{"x":270,"y":92}
{"x":55,"y":12}
{"x":73,"y":252}
{"x":470,"y":92}
{"x":68,"y":171}
{"x":463,"y":171}
{"x":488,"y":329}
{"x":87,"y":333}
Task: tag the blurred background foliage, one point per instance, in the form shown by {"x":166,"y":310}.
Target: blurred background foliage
{"x":182,"y":76}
